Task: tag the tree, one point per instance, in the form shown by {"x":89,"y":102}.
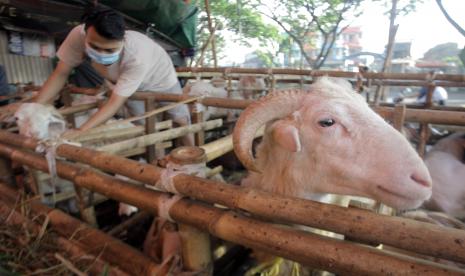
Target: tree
{"x":443,"y":52}
{"x":235,"y":18}
{"x":449,"y":18}
{"x":306,"y":20}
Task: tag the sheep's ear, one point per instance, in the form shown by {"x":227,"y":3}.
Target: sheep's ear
{"x":286,"y":135}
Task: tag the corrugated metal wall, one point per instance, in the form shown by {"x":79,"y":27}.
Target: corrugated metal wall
{"x":23,"y":69}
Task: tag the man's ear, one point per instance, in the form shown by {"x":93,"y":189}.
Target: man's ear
{"x":286,"y":135}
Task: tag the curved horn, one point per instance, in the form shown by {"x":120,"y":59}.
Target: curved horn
{"x":273,"y":106}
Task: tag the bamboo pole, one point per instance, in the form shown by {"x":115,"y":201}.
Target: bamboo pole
{"x":136,"y":118}
{"x":6,"y":171}
{"x":76,"y":108}
{"x":141,"y":150}
{"x":135,"y":219}
{"x":320,"y":73}
{"x":358,"y":224}
{"x":413,"y":115}
{"x":67,"y":100}
{"x":87,"y":213}
{"x":307,"y":248}
{"x":89,"y":239}
{"x":120,"y":132}
{"x":216,"y":170}
{"x":399,"y":117}
{"x":218,"y":147}
{"x":154,"y":138}
{"x":149,"y":129}
{"x":387,"y":82}
{"x":424,"y":135}
{"x":196,"y":251}
{"x":199,"y":137}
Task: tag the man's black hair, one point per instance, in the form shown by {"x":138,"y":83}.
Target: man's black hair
{"x":107,"y":22}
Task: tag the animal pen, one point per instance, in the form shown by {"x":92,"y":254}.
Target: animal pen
{"x":203,"y":210}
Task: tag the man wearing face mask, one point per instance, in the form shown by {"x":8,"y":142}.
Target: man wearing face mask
{"x":128,"y":61}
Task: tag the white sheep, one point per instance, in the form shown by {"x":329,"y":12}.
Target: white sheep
{"x":251,"y":87}
{"x":39,"y":121}
{"x":328,"y":140}
{"x":44,"y":122}
{"x":215,"y":88}
{"x":447,"y":169}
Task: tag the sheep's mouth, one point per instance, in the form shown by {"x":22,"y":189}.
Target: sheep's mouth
{"x":381,"y":188}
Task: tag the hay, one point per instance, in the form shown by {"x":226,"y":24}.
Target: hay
{"x":28,"y":247}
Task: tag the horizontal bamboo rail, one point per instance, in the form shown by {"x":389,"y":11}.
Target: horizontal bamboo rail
{"x":424,"y":116}
{"x":138,"y":151}
{"x":222,"y":146}
{"x":412,"y":115}
{"x":370,"y":82}
{"x":318,"y":73}
{"x":150,"y":139}
{"x":120,"y":132}
{"x":77,"y":108}
{"x":89,"y":239}
{"x":422,"y":106}
{"x":356,"y":223}
{"x":307,"y":248}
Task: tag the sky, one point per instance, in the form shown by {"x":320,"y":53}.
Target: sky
{"x":425,"y":28}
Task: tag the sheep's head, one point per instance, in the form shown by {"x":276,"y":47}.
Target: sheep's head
{"x":328,"y":140}
{"x":39,"y":121}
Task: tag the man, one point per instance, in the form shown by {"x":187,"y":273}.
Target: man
{"x":127,"y":60}
{"x":439,"y":95}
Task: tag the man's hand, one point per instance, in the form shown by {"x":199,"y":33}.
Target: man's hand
{"x":7,"y":112}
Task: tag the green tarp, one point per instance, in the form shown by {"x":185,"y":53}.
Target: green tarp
{"x":174,"y":19}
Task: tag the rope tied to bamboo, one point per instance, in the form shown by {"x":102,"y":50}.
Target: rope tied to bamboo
{"x":48,"y":147}
{"x":166,"y":183}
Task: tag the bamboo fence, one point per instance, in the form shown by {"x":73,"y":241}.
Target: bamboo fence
{"x":359,"y":224}
{"x":309,"y":249}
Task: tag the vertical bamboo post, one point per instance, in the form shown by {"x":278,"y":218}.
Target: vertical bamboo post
{"x":196,"y":250}
{"x":424,"y":134}
{"x":272,"y":80}
{"x":424,"y":127}
{"x":150,"y":128}
{"x":87,"y":214}
{"x":399,"y":116}
{"x":67,"y":101}
{"x":6,"y":172}
{"x":199,"y":137}
{"x":429,"y":95}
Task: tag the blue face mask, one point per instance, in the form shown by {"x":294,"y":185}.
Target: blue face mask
{"x":105,"y":59}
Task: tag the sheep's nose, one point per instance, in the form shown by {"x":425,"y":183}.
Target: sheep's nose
{"x":421,"y":179}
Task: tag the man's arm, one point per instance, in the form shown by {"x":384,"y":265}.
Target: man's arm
{"x":105,"y":112}
{"x":54,"y":83}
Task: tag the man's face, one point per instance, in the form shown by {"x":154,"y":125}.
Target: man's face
{"x":101,"y":44}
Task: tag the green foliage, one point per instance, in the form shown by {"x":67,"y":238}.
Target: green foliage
{"x":236,"y":17}
{"x":404,"y":7}
{"x":311,"y":22}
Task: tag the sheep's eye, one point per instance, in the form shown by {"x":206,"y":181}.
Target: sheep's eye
{"x":326,"y":122}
